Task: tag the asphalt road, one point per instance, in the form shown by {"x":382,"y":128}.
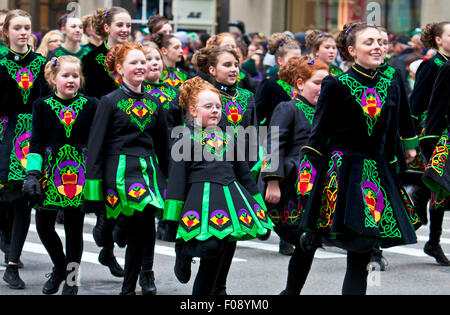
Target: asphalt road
{"x":258,"y":269}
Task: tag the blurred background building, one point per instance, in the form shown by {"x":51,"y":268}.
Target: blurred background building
{"x":265,"y":16}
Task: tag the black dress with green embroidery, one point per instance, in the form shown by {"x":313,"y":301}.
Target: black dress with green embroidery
{"x":293,"y":120}
{"x":4,"y":50}
{"x":420,"y":99}
{"x":128,"y":153}
{"x":210,"y":193}
{"x":61,"y":51}
{"x":98,"y":80}
{"x":437,"y":130}
{"x":174,"y":76}
{"x":356,"y":201}
{"x":22,"y":82}
{"x":168,"y":96}
{"x":58,"y":149}
{"x":269,"y":93}
{"x":238,"y":110}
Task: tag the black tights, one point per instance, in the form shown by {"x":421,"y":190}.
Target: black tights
{"x":436,"y":219}
{"x":211,"y":253}
{"x":298,"y":270}
{"x":355,"y":281}
{"x":73,"y":227}
{"x":21,"y":216}
{"x":140,"y":240}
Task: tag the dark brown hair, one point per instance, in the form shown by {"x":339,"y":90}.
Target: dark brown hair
{"x":279,"y":44}
{"x":156,"y":22}
{"x":430,"y":32}
{"x":209,"y":56}
{"x":105,"y":16}
{"x":347,"y":37}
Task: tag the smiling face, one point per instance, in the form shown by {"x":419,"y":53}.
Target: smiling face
{"x":367,"y":51}
{"x":310,"y":89}
{"x":227,"y":69}
{"x":54,"y":41}
{"x":73,"y":29}
{"x":120,"y":28}
{"x":443,"y":42}
{"x":133,"y":68}
{"x":327,"y":51}
{"x":19,"y":32}
{"x":154,"y":66}
{"x":208,"y":111}
{"x":67,"y":80}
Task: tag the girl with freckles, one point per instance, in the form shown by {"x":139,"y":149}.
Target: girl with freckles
{"x":128,"y":158}
{"x":355,"y":200}
{"x":212,"y":200}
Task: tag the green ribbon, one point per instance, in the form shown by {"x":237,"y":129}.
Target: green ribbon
{"x":93,"y":189}
{"x":172,"y":210}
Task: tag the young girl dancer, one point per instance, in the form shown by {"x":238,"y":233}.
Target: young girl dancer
{"x":114,"y":26}
{"x":272,"y":91}
{"x":212,"y":198}
{"x":153,"y":84}
{"x":437,"y":36}
{"x":22,"y":77}
{"x":355,"y":201}
{"x":220,"y":65}
{"x":294,"y":120}
{"x":435,"y":146}
{"x":56,"y":166}
{"x":127,"y":162}
{"x":323,"y":47}
{"x":172,"y":52}
{"x":72,"y":28}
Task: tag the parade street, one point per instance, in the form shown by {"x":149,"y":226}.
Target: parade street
{"x":410,"y":271}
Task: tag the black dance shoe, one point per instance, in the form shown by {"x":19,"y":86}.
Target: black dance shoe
{"x":107,"y":258}
{"x":56,"y":277}
{"x":436,"y":252}
{"x":12,"y":278}
{"x":286,"y":248}
{"x":182,"y":266}
{"x":69,"y":290}
{"x":147,"y":282}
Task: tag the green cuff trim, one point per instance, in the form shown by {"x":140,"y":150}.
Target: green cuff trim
{"x":410,"y":143}
{"x":393,"y":161}
{"x":172,"y":210}
{"x":93,"y":190}
{"x":259,"y":199}
{"x":34,"y":162}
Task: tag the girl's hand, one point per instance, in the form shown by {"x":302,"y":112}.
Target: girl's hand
{"x":273,"y":193}
{"x":410,"y":155}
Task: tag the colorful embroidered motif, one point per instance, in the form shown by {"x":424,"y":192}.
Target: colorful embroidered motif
{"x":3,"y":122}
{"x":67,"y":114}
{"x":329,"y":192}
{"x":213,"y":143}
{"x":291,"y":214}
{"x":371,"y":100}
{"x":335,"y":71}
{"x":220,"y":218}
{"x":101,"y":61}
{"x":164,"y":94}
{"x":173,"y":76}
{"x":440,"y":155}
{"x":291,"y":92}
{"x":439,"y":62}
{"x":112,"y":198}
{"x":388,"y":72}
{"x":139,"y":111}
{"x":136,"y":190}
{"x":306,"y":177}
{"x":245,"y":216}
{"x":21,"y":147}
{"x":234,"y":108}
{"x":68,"y":178}
{"x":25,"y":77}
{"x":412,"y":215}
{"x":191,"y":219}
{"x":307,"y":110}
{"x":378,"y":211}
